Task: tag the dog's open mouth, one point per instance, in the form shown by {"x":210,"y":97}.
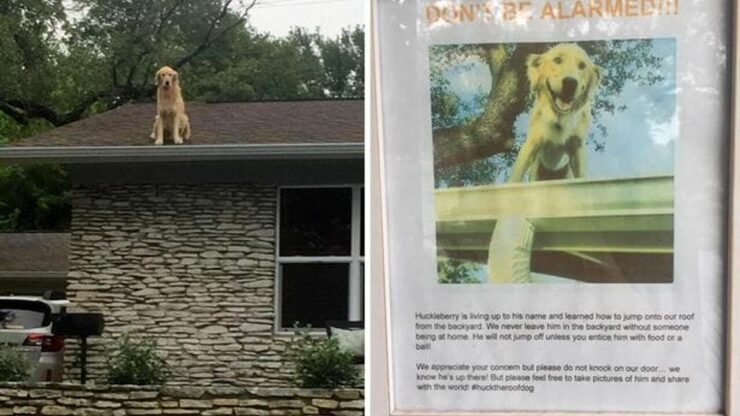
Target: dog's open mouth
{"x":563,"y":103}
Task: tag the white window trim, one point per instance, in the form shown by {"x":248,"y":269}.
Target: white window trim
{"x":355,"y":260}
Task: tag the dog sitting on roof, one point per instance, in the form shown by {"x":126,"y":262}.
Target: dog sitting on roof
{"x":171,"y":118}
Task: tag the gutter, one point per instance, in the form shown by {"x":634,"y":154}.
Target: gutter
{"x":180,"y":153}
{"x":35,"y":275}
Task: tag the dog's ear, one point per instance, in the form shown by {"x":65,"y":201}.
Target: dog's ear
{"x":533,"y":71}
{"x":156,"y":78}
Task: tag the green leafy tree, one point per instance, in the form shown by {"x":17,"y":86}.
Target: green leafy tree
{"x":266,"y":69}
{"x":343,"y":63}
{"x":34,"y":197}
{"x":28,"y":52}
{"x":456,"y":271}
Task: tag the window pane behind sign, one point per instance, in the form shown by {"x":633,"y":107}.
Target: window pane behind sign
{"x":314,"y":293}
{"x":315,"y":222}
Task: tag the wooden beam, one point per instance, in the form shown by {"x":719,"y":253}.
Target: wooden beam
{"x":588,"y":230}
{"x":630,"y":215}
{"x":623,"y":198}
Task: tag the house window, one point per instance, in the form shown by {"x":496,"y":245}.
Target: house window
{"x":320,"y":255}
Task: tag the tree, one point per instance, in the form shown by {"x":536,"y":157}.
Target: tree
{"x":343,"y":61}
{"x":260,"y":68}
{"x":111,"y":51}
{"x":461,"y":139}
{"x":28,"y":50}
{"x":34,"y":197}
{"x":303,"y":65}
{"x":456,"y":271}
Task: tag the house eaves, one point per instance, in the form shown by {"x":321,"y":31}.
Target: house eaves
{"x":180,"y":153}
{"x":33,"y":275}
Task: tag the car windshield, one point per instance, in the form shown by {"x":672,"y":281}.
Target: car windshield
{"x":23,"y":314}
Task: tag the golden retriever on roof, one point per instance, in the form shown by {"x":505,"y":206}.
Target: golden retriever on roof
{"x":171,"y":118}
{"x":563,"y":81}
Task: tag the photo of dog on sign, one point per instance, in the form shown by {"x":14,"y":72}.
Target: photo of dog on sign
{"x":553,"y":162}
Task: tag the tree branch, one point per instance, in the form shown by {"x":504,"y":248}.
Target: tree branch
{"x":207,"y":40}
{"x":23,"y":111}
{"x":135,"y":66}
{"x":13,"y":112}
{"x":164,"y":17}
{"x":492,"y":131}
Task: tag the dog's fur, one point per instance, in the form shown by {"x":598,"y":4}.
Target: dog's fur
{"x":563,"y":81}
{"x":171,"y":118}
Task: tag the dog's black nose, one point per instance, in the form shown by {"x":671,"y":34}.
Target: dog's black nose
{"x":569,"y":88}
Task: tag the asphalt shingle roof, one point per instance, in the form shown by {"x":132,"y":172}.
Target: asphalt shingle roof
{"x":34,"y":252}
{"x":276,"y":122}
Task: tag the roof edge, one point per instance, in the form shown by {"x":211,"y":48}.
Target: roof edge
{"x":179,"y":153}
{"x":31,"y":274}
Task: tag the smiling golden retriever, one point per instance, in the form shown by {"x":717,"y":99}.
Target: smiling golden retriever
{"x":563,"y":81}
{"x":171,"y":118}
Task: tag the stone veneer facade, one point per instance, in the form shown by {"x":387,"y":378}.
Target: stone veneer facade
{"x":192,"y":265}
{"x":76,"y":400}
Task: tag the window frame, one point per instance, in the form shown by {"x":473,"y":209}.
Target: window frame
{"x":355,"y":260}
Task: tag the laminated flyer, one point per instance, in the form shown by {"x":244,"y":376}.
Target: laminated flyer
{"x":555,"y":188}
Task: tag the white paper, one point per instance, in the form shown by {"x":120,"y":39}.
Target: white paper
{"x":680,"y":145}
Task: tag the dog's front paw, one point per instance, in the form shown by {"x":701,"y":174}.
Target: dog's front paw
{"x":177,"y":140}
{"x":158,"y":142}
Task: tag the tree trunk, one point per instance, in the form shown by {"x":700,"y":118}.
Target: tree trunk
{"x":493,"y":131}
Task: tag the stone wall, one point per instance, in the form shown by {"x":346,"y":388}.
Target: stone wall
{"x":190,"y":265}
{"x":77,"y":400}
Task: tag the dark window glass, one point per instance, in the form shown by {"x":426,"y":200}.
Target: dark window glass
{"x":315,"y":222}
{"x":362,"y":221}
{"x":28,"y":287}
{"x":362,"y":289}
{"x":314,"y":293}
{"x":17,"y":314}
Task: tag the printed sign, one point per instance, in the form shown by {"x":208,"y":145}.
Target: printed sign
{"x":577,"y":179}
{"x":555,"y":190}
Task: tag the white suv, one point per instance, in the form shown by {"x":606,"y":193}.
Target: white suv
{"x":25,"y":323}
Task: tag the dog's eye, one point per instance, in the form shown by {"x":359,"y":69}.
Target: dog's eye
{"x":558,"y":60}
{"x":582,"y":65}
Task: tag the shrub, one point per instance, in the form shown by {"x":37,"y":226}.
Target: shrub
{"x":136,"y":362}
{"x":322,"y":363}
{"x":14,"y":365}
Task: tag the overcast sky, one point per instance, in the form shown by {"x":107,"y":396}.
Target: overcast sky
{"x":279,"y":16}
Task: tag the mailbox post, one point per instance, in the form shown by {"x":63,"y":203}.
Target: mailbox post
{"x":80,"y":325}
